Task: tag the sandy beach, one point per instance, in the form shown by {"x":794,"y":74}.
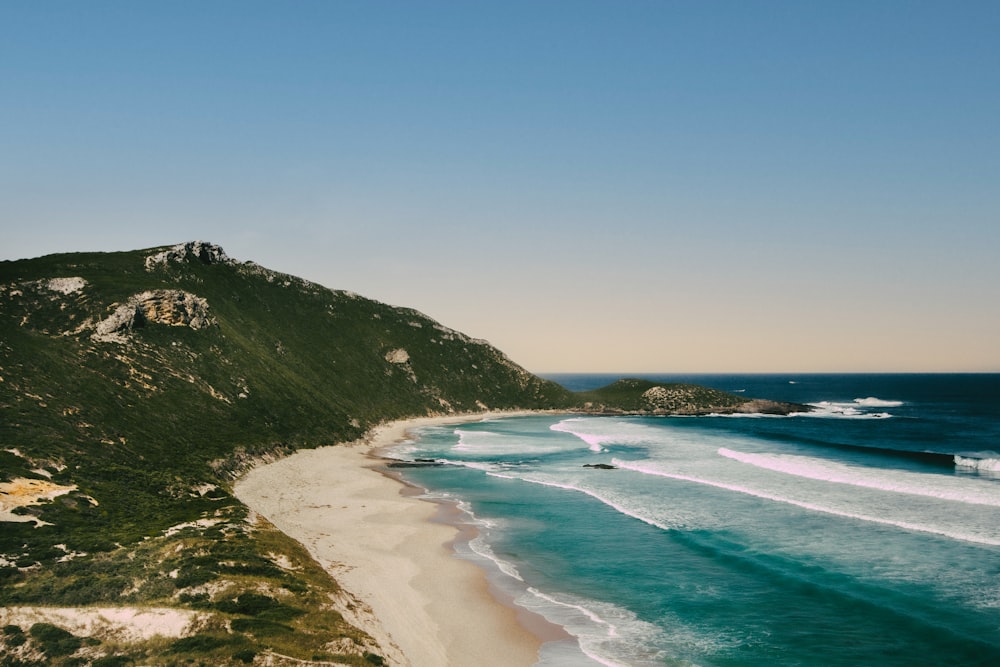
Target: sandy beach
{"x":427,"y":606}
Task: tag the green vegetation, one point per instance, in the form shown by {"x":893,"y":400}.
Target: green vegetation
{"x":142,"y":404}
{"x":54,"y":641}
{"x":644,"y":396}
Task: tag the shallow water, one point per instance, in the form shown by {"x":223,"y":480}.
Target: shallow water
{"x":848,"y":536}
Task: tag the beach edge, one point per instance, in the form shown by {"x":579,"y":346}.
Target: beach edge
{"x":391,"y":552}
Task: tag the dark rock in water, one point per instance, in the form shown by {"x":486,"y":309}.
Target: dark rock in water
{"x":418,"y":463}
{"x":600,"y":466}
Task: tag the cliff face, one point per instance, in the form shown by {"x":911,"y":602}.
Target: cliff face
{"x":168,"y":307}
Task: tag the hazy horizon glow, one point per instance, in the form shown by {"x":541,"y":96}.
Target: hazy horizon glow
{"x":650,"y":186}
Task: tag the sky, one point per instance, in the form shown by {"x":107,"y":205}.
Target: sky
{"x":634,"y":186}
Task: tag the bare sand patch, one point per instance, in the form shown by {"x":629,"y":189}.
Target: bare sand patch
{"x":124,"y":624}
{"x":23,"y":492}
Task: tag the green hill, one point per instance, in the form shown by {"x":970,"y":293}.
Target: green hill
{"x":135,"y":386}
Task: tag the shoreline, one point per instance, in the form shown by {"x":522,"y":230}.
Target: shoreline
{"x":394,"y":552}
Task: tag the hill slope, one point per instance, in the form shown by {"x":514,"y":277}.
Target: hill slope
{"x":135,"y":385}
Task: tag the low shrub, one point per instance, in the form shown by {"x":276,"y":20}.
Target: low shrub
{"x":259,"y":627}
{"x":112,"y":661}
{"x":199,"y":643}
{"x":245,"y":656}
{"x":53,"y":640}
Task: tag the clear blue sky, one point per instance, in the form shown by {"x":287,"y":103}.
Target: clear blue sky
{"x":592,"y":186}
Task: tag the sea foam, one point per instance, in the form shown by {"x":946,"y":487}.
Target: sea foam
{"x":872,"y":402}
{"x":600,"y":432}
{"x":607,"y":634}
{"x":896,"y":481}
{"x":965,"y":536}
{"x":842,"y":411}
{"x":492,"y":444}
{"x":985,"y":463}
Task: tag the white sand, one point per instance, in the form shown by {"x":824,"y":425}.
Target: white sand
{"x":382,"y":547}
{"x":126,"y":624}
{"x":23,"y":492}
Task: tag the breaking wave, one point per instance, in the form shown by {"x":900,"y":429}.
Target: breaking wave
{"x":896,"y":481}
{"x":812,"y":506}
{"x":600,"y":432}
{"x":872,"y":402}
{"x":842,"y":411}
{"x":988,"y":463}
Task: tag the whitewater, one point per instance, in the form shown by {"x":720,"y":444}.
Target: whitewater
{"x":866,"y":531}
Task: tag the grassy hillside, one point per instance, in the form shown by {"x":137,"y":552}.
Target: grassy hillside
{"x":134,"y":386}
{"x":140,"y":402}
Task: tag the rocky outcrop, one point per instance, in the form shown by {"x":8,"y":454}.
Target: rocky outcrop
{"x":762,"y":406}
{"x":644,"y":397}
{"x":206,"y":253}
{"x":169,"y":307}
{"x":680,"y":399}
{"x":397,"y":356}
{"x":66,"y":285}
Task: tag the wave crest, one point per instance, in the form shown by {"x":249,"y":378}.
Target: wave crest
{"x":842,"y":411}
{"x":987,"y":464}
{"x":872,"y":402}
{"x":893,"y":481}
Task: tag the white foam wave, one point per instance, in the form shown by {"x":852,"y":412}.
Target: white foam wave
{"x":594,"y":442}
{"x":872,"y":402}
{"x":601,"y":640}
{"x":492,"y":444}
{"x":481,"y":548}
{"x":841,"y":411}
{"x":600,"y":432}
{"x":605,"y":632}
{"x":477,"y":441}
{"x":811,"y":506}
{"x":987,"y":464}
{"x":896,"y":481}
{"x":617,"y":506}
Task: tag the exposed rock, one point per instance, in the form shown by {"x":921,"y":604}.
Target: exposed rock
{"x":673,"y":399}
{"x":398,"y":356}
{"x":656,"y":397}
{"x":417,"y":463}
{"x":23,"y":492}
{"x":66,"y":285}
{"x":600,"y":466}
{"x":170,"y":307}
{"x":763,"y":406}
{"x":207,"y":253}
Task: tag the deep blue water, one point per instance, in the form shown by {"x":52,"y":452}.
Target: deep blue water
{"x":864,"y":533}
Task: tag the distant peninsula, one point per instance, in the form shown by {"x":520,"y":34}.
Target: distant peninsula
{"x":135,"y":387}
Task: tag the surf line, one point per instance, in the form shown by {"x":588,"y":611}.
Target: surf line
{"x":809,"y":506}
{"x":836,"y":473}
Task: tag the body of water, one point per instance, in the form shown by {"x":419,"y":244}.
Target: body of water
{"x":866,"y":532}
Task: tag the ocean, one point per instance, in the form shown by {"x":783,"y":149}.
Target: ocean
{"x":866,"y":532}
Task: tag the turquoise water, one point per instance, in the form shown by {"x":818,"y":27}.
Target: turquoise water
{"x":867,"y":533}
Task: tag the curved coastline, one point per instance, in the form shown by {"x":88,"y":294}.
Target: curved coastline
{"x":394,"y":553}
